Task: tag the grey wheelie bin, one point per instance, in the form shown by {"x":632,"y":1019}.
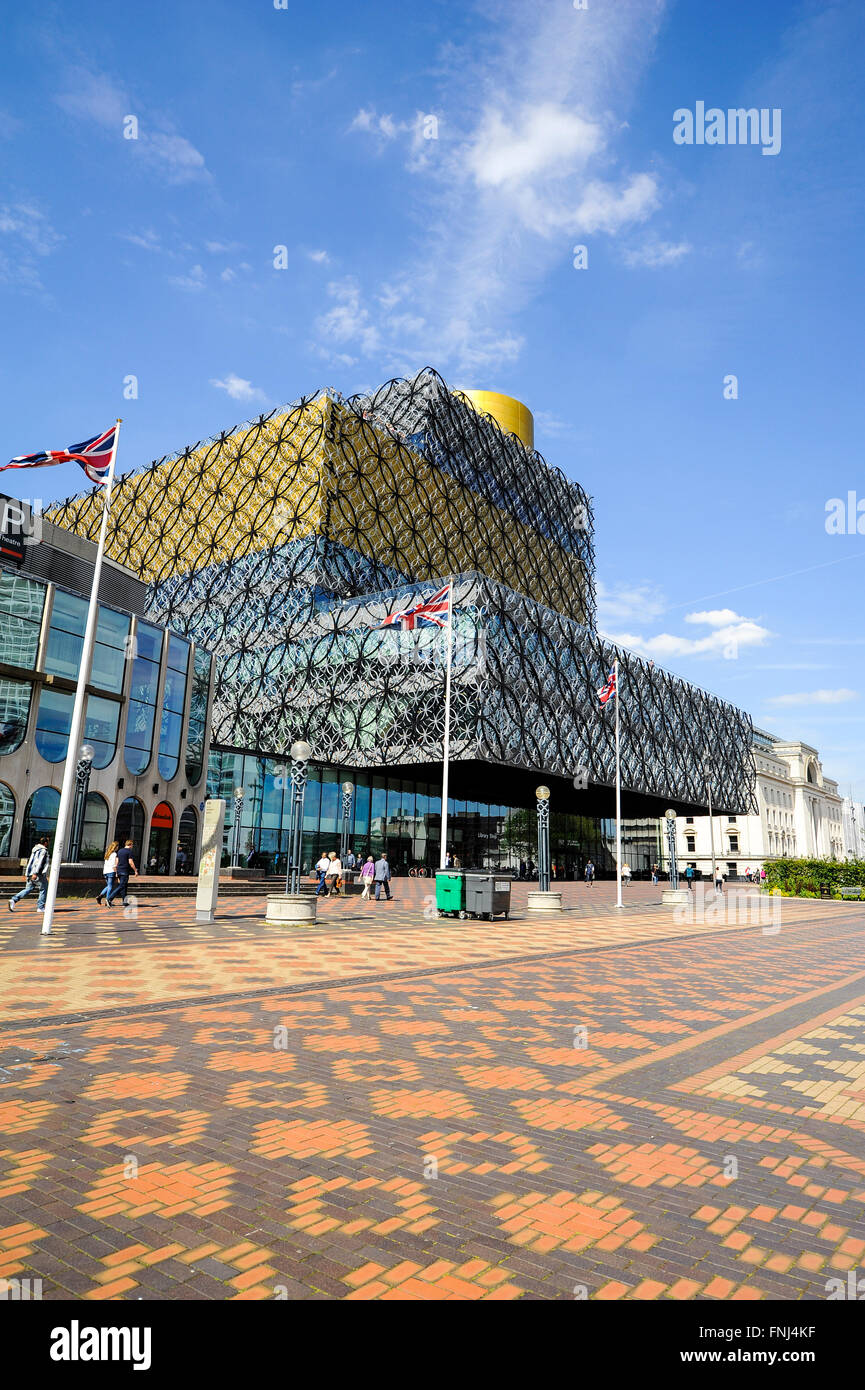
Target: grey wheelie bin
{"x":488,"y":895}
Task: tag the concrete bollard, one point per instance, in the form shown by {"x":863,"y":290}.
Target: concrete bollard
{"x":674,"y":897}
{"x":543,"y":904}
{"x":291,"y":910}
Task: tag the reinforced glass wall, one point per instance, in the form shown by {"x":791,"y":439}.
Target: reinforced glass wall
{"x":403,"y":819}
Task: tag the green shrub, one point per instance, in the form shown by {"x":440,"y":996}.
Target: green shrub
{"x":804,"y":878}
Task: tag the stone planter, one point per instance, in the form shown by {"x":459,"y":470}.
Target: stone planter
{"x":543,"y":904}
{"x":290,"y":910}
{"x":674,"y":897}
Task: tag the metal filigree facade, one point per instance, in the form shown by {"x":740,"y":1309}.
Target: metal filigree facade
{"x":280,"y":545}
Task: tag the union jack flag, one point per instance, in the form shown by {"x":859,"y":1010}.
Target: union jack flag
{"x":93,"y":455}
{"x":429,"y":610}
{"x":607,"y":691}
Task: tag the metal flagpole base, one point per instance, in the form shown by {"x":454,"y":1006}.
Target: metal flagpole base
{"x":673,"y":897}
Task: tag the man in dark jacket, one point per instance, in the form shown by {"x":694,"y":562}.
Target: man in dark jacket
{"x":125,"y":867}
{"x":381,"y":877}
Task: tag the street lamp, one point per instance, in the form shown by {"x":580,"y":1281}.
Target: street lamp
{"x":347,"y":798}
{"x":82,"y":782}
{"x":239,"y":794}
{"x":543,"y":797}
{"x":670,"y":817}
{"x":300,"y":754}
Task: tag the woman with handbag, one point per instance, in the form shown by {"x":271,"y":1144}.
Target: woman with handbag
{"x":109,"y":870}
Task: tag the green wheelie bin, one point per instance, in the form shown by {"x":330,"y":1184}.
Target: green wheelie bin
{"x":451,"y":893}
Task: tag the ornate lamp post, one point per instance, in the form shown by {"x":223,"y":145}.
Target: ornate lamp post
{"x":543,"y":797}
{"x":300,"y":754}
{"x":82,"y":782}
{"x":670,"y":817}
{"x":347,"y":799}
{"x":239,"y":794}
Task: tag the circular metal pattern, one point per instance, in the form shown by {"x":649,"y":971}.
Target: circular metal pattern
{"x":281,"y":545}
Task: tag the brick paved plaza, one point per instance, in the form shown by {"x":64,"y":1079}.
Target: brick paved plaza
{"x":389,"y":1106}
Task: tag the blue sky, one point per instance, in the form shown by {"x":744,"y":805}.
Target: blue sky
{"x":451,"y":243}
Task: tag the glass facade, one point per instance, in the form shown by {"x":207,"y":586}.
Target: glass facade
{"x":22,"y":602}
{"x":40,"y":817}
{"x":173,"y":701}
{"x":143,"y":694}
{"x":14,"y":713}
{"x":54,"y":717}
{"x":197,"y":726}
{"x":403,"y":819}
{"x":7,"y":815}
{"x":66,"y":639}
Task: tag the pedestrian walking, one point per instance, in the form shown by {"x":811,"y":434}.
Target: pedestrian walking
{"x":655,"y":873}
{"x":626,"y":875}
{"x":367,"y":873}
{"x":109,"y":870}
{"x":719,"y":879}
{"x":36,"y":874}
{"x":125,"y":866}
{"x":381,"y":878}
{"x":689,"y":875}
{"x":334,"y":874}
{"x":180,"y":862}
{"x":350,"y":860}
{"x":590,"y":871}
{"x":321,"y":869}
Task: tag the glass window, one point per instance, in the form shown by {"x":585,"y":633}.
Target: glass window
{"x":7,"y":815}
{"x":197,"y":727}
{"x":40,"y":817}
{"x":14,"y":713}
{"x":172,"y":707}
{"x":53,"y":718}
{"x":66,"y":639}
{"x":100,"y":728}
{"x":94,"y":834}
{"x":21,"y":605}
{"x":143,"y":692}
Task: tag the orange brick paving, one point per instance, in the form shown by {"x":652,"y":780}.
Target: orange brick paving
{"x":675,"y":1120}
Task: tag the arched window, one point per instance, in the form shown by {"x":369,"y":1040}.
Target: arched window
{"x":130,"y":826}
{"x":187,"y":836}
{"x":94,"y":835}
{"x":7,"y":816}
{"x":40,"y":817}
{"x":159,"y":846}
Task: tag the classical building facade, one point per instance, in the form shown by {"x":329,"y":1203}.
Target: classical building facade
{"x":799,"y":813}
{"x":284,"y":545}
{"x":147,"y":714}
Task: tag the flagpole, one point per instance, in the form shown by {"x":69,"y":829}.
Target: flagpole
{"x":67,"y":792}
{"x":618,"y":796}
{"x":446,"y":745}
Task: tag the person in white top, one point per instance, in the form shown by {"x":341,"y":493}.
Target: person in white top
{"x":334,"y":874}
{"x":321,"y":869}
{"x":109,"y":870}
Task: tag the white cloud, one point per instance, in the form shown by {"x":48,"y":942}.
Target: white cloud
{"x":527,"y":159}
{"x":348,"y":321}
{"x":652,"y":255}
{"x":320,"y":257}
{"x":730,"y":633}
{"x":195,"y":280}
{"x":25,"y":235}
{"x":238,"y":388}
{"x":640,"y":603}
{"x":222,"y":248}
{"x":814,"y":697}
{"x":92,"y":96}
{"x":148,"y":240}
{"x":541,"y":138}
{"x":228,"y":274}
